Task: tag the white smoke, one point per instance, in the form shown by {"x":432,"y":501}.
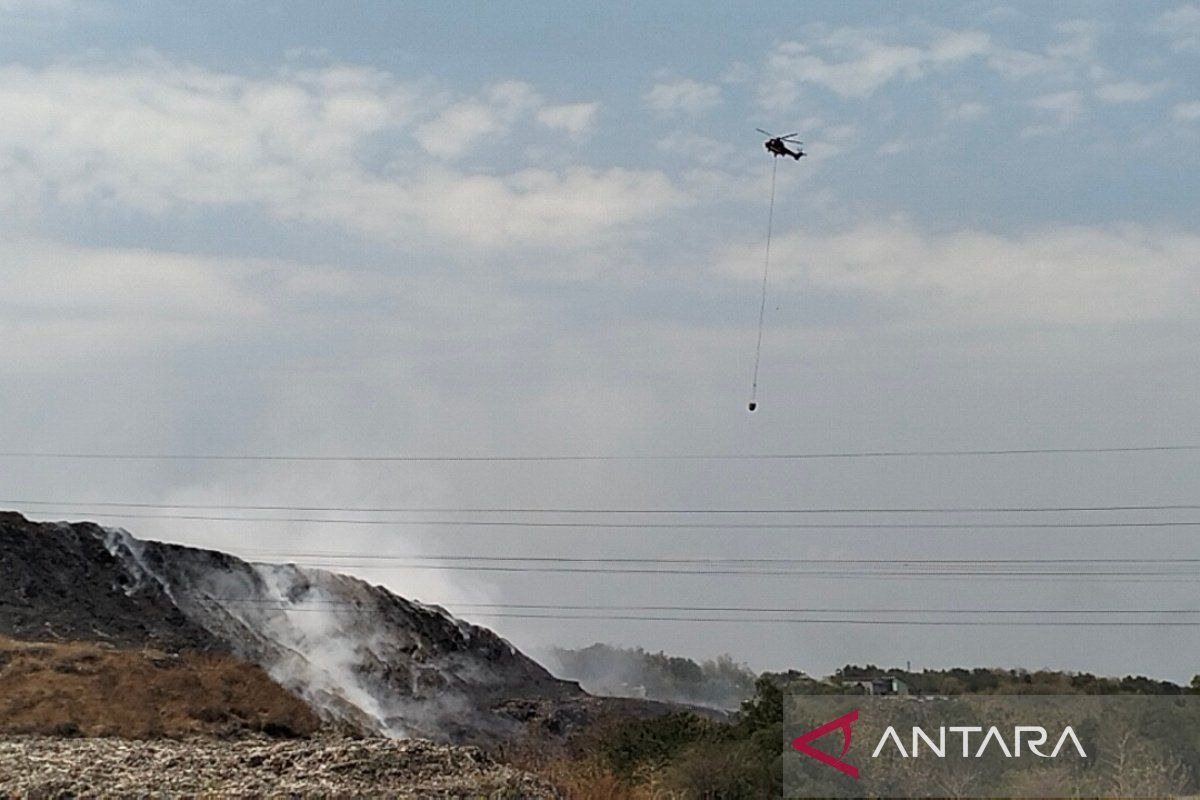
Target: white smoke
{"x":318,"y":657}
{"x":352,"y":650}
{"x":611,"y":671}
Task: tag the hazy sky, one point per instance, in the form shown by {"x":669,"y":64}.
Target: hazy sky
{"x":514,"y":228}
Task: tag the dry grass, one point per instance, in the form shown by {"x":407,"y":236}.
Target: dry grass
{"x":88,"y":689}
{"x":580,"y":775}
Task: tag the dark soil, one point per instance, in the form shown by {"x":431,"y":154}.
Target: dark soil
{"x":59,"y":582}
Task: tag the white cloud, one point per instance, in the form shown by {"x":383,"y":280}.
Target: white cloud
{"x":460,"y":126}
{"x":68,"y":306}
{"x":894,"y":147}
{"x":1129,"y":91}
{"x":1004,"y":12}
{"x":1079,"y":40}
{"x":43,"y":277}
{"x":736,"y":73}
{"x":576,"y":119}
{"x":682,"y":96}
{"x":694,"y":147}
{"x":956,"y":46}
{"x":157,"y":136}
{"x":1069,"y":102}
{"x":457,"y":128}
{"x":968,"y":277}
{"x":1181,"y":26}
{"x":541,"y":207}
{"x":1188,"y":111}
{"x":1063,"y":107}
{"x":1071,"y":58}
{"x":46,"y":11}
{"x":852,"y":62}
{"x":514,"y":97}
{"x":1013,"y":63}
{"x":967,"y":111}
{"x":877,"y":65}
{"x":63,"y":303}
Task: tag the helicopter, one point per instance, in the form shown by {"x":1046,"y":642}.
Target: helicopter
{"x":778,"y":145}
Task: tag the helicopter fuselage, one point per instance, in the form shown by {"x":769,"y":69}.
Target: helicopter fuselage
{"x":776,"y":147}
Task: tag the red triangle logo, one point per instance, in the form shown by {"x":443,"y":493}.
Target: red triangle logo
{"x":842,"y":723}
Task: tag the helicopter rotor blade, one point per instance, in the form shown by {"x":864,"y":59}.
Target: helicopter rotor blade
{"x":790,"y":135}
{"x":765,"y":133}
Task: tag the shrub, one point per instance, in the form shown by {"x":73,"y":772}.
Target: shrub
{"x":650,"y":743}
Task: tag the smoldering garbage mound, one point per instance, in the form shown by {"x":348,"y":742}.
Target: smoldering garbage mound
{"x":321,"y":767}
{"x":88,"y":689}
{"x":62,"y":582}
{"x":358,"y":654}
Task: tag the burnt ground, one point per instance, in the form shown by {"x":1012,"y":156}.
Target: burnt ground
{"x":59,"y":582}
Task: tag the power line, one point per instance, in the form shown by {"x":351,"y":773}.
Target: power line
{"x":284,"y":604}
{"x":721,"y":560}
{"x":481,"y":610}
{"x":990,"y":569}
{"x":702,"y":570}
{"x":468,"y":523}
{"x":647,"y":511}
{"x":1125,"y":576}
{"x":741,"y":609}
{"x":816,"y":620}
{"x":64,"y":455}
{"x":852,"y":621}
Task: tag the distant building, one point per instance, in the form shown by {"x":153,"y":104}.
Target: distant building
{"x":883,"y":685}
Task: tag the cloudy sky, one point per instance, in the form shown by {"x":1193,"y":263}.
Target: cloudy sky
{"x":525,"y":229}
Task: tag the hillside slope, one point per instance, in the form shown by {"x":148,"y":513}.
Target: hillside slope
{"x":356,"y":652}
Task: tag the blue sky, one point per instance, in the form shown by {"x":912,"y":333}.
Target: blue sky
{"x":500,"y":227}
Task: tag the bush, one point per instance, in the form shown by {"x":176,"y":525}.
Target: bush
{"x":651,"y":743}
{"x":729,"y":771}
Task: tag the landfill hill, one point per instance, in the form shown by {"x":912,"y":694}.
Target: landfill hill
{"x":360,"y":656}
